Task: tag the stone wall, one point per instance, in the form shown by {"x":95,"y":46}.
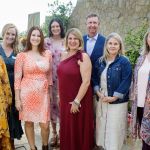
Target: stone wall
{"x":115,"y":15}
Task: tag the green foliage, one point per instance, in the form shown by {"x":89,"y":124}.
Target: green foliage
{"x":134,"y":42}
{"x":23,"y":34}
{"x":60,"y":10}
{"x":45,"y":25}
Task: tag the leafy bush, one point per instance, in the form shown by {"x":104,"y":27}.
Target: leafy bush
{"x":59,"y":10}
{"x":134,"y":42}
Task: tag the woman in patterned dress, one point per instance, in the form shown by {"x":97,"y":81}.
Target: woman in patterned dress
{"x":8,"y":50}
{"x":33,"y":82}
{"x":5,"y":102}
{"x":140,"y":95}
{"x":55,"y":43}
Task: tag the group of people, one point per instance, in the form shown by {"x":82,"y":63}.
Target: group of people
{"x":83,"y":83}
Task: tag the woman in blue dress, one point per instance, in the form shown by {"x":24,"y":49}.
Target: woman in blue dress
{"x":8,"y":51}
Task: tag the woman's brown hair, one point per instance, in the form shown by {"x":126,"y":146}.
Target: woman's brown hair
{"x":28,"y":43}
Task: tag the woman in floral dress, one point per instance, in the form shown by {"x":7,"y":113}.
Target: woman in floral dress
{"x":5,"y":102}
{"x":55,"y":43}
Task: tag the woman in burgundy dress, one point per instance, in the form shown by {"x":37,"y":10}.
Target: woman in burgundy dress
{"x":76,"y":114}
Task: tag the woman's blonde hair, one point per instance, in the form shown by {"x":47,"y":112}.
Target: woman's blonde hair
{"x":76,"y":32}
{"x":15,"y":44}
{"x":146,"y":47}
{"x":119,"y":39}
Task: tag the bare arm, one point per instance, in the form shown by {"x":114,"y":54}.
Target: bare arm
{"x":85,"y":70}
{"x":18,"y":78}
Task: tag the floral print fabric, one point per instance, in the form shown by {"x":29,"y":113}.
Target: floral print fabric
{"x":5,"y":101}
{"x":56,"y":50}
{"x":144,"y":132}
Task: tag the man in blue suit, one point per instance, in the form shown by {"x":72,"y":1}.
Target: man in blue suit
{"x":93,"y":45}
{"x":93,"y":41}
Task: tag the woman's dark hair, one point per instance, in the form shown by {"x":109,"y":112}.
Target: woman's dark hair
{"x":28,"y":43}
{"x":62,"y":32}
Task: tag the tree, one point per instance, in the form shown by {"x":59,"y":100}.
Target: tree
{"x":59,"y":10}
{"x":45,"y":25}
{"x":134,"y":42}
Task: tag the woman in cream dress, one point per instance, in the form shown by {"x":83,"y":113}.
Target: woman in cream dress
{"x":112,"y":78}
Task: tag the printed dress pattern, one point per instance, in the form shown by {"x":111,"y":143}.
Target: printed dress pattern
{"x":33,"y":79}
{"x":5,"y":98}
{"x":56,"y":50}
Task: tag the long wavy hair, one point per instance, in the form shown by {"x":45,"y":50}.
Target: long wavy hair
{"x":28,"y":43}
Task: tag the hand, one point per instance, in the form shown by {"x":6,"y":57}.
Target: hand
{"x":100,"y":94}
{"x":18,"y":105}
{"x":74,"y":108}
{"x":109,"y":99}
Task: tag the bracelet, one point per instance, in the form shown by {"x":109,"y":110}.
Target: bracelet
{"x":76,"y":101}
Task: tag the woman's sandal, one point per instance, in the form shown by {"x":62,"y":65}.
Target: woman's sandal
{"x":53,"y":141}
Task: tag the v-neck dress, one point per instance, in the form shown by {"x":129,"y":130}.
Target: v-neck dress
{"x":15,"y":128}
{"x":33,"y":78}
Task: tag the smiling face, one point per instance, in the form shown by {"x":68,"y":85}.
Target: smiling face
{"x":113,"y":46}
{"x":9,"y":36}
{"x":92,"y":26}
{"x":35,"y":38}
{"x":55,"y":29}
{"x":73,"y":42}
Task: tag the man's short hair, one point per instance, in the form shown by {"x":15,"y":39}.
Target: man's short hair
{"x":92,"y":15}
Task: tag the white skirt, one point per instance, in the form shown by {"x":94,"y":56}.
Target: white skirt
{"x":111,"y":124}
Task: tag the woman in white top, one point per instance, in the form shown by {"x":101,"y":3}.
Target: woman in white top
{"x":140,"y":95}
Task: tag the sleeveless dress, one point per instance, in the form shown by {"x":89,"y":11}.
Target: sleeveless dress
{"x":33,"y":79}
{"x":15,"y":127}
{"x":76,"y":130}
{"x":5,"y":98}
{"x":56,"y":50}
